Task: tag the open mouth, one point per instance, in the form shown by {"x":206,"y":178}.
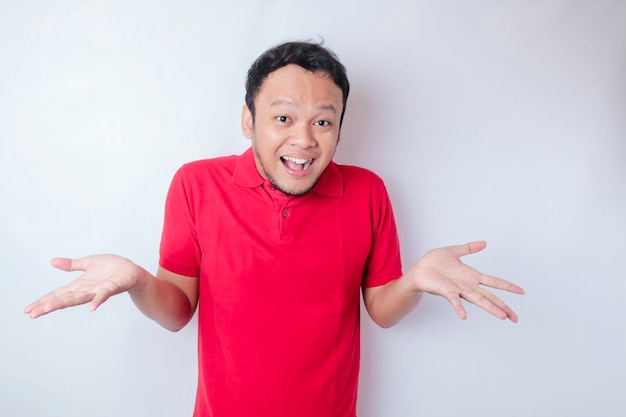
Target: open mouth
{"x":296,"y":164}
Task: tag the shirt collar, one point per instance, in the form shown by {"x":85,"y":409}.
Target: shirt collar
{"x":246,"y":175}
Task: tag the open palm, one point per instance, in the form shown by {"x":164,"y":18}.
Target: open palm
{"x":103,"y":276}
{"x":441,"y":272}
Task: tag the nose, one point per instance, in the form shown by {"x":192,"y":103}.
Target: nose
{"x":302,"y":136}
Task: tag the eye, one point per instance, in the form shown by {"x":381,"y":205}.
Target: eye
{"x":282,"y":119}
{"x":323,"y":123}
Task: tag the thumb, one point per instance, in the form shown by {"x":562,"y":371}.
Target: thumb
{"x":468,"y":248}
{"x":67,"y":264}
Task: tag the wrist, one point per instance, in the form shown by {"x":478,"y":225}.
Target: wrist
{"x":408,"y":284}
{"x":140,"y":278}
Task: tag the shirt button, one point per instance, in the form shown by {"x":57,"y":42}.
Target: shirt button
{"x":285,"y":213}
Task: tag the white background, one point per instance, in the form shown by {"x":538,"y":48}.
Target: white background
{"x":487,"y":119}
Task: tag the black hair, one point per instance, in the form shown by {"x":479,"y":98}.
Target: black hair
{"x":309,"y":55}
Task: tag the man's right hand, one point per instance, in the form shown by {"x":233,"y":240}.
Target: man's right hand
{"x":103,"y":276}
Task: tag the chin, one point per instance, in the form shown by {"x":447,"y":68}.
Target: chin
{"x":292,"y":187}
{"x":295,"y":192}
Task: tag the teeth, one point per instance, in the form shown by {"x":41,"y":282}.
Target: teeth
{"x":304,"y":162}
{"x":300,"y":161}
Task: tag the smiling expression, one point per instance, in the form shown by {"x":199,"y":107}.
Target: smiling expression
{"x":295,"y":129}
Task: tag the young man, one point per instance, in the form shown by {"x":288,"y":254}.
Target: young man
{"x":275,"y":246}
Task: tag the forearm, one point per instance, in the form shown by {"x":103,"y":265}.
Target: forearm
{"x":161,"y":301}
{"x":388,"y":304}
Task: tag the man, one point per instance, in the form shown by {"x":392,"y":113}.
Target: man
{"x":274,"y":247}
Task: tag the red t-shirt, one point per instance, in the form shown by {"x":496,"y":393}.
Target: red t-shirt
{"x":280,"y":281}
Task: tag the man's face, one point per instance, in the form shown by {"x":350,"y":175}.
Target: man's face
{"x":295,"y":130}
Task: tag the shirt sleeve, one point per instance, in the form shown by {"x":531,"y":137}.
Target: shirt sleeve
{"x":383,"y":263}
{"x":179,"y":250}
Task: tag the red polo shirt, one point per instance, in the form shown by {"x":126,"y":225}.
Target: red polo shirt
{"x":280,"y":281}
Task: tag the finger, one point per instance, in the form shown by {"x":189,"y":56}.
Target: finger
{"x":37,"y":307}
{"x":482,"y":301}
{"x":500,"y":284}
{"x":31,"y":307}
{"x":41,"y":310}
{"x":57,"y":300}
{"x":34,"y":309}
{"x":491,"y":304}
{"x":468,"y":248}
{"x":455,"y":300}
{"x":99,"y":299}
{"x":510,"y":314}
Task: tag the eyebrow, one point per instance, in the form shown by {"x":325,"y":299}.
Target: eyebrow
{"x":281,"y":102}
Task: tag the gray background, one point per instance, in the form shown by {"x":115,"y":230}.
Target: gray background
{"x":496,"y":120}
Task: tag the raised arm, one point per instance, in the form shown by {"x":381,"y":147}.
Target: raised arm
{"x":439,"y":272}
{"x":169,"y":299}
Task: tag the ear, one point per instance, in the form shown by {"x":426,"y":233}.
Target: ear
{"x":247,"y":122}
{"x":338,"y":137}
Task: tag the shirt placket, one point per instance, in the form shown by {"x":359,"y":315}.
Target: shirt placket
{"x":283,"y":207}
{"x":284,"y":214}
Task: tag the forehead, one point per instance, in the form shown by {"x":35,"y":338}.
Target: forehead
{"x":298,"y":85}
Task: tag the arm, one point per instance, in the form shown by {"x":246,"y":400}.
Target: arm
{"x":439,"y":272}
{"x":169,"y":299}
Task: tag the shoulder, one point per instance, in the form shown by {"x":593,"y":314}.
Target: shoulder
{"x":354,"y":176}
{"x":198,"y":178}
{"x":362,"y":187}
